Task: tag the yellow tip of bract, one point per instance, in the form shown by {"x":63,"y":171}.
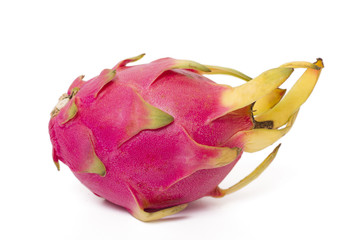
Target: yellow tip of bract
{"x":186,"y":64}
{"x":152,"y":216}
{"x":319,"y":62}
{"x":96,"y":167}
{"x":106,"y":76}
{"x":157,"y":118}
{"x":301,"y":65}
{"x":226,"y":71}
{"x":128,"y":60}
{"x":70,"y":112}
{"x":133,"y":59}
{"x":57,"y":165}
{"x":111,"y":75}
{"x":226,"y":156}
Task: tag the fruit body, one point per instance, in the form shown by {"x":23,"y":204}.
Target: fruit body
{"x":152,"y":138}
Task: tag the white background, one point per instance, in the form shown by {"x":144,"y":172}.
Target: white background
{"x":311,"y":190}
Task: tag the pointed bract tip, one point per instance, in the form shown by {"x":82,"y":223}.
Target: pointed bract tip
{"x":226,"y":71}
{"x":319,"y":62}
{"x":96,"y":167}
{"x":111,"y":74}
{"x":57,"y":165}
{"x":277,"y":148}
{"x":128,"y":60}
{"x":74,"y":91}
{"x":140,"y":56}
{"x":187,"y":64}
{"x":227,"y":155}
{"x":158,"y":118}
{"x":133,"y":59}
{"x":106,"y":76}
{"x":71,"y":112}
{"x":103,"y":173}
{"x":272,"y":155}
{"x":286,"y":71}
{"x":92,"y":164}
{"x":152,"y":216}
{"x":300,"y":64}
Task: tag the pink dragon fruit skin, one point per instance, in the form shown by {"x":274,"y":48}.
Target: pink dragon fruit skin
{"x":154,"y":137}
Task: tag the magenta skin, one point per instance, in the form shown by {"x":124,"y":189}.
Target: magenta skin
{"x":146,"y":166}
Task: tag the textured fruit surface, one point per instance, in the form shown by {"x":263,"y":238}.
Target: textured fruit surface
{"x":154,"y":137}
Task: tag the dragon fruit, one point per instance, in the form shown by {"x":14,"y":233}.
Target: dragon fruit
{"x":154,"y":137}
